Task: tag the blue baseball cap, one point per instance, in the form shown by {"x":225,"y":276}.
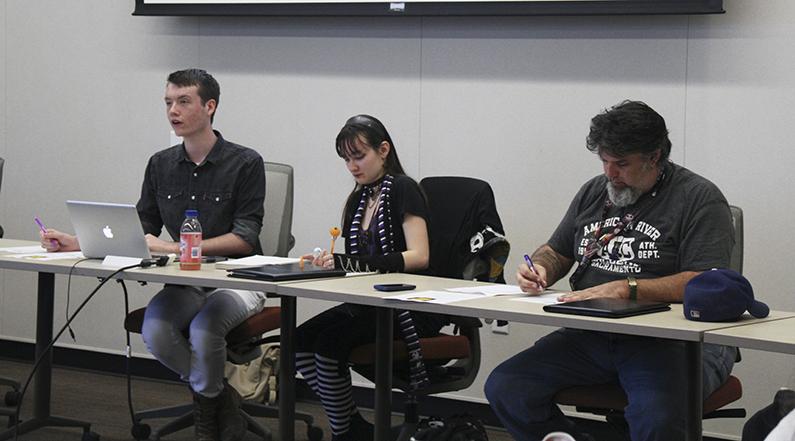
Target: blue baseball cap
{"x":721,"y":295}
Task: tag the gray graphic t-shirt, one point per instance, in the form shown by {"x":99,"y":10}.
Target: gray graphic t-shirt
{"x":686,"y":227}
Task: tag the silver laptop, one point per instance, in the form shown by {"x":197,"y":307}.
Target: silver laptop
{"x":105,"y":229}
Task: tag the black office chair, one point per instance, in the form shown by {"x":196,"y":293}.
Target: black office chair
{"x":466,"y":233}
{"x":609,"y":400}
{"x":467,"y":242}
{"x":243,"y":342}
{"x":11,"y":398}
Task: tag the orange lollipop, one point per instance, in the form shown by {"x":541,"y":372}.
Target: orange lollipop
{"x":335,"y":233}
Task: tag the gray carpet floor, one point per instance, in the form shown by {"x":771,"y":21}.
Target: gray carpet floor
{"x":101,"y":399}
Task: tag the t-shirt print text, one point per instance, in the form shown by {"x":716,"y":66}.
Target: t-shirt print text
{"x":624,"y":253}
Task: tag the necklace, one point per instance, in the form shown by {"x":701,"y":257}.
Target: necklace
{"x":381,"y":214}
{"x":373,"y":199}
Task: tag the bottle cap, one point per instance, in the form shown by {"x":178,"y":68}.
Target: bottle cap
{"x":191,"y":213}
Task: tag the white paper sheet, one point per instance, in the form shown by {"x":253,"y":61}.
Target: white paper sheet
{"x":45,"y":256}
{"x":440,"y":297}
{"x":23,"y":250}
{"x":488,"y":290}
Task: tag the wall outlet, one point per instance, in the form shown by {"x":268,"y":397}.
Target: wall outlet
{"x":500,"y":327}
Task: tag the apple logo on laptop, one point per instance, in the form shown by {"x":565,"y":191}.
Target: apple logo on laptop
{"x":107,"y":232}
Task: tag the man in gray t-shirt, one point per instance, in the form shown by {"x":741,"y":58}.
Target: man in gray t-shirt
{"x":684,"y":226}
{"x":641,"y":230}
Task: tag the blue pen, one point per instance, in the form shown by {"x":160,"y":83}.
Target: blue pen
{"x":44,"y":230}
{"x":531,"y":266}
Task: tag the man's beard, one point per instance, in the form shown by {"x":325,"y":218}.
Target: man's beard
{"x":622,"y":197}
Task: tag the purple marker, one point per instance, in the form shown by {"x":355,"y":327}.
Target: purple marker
{"x":532,"y":267}
{"x":44,"y":230}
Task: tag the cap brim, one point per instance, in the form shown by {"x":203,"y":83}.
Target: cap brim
{"x":759,"y":309}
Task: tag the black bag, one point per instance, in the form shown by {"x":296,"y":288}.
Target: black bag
{"x":463,"y":224}
{"x":762,"y":423}
{"x":455,"y":428}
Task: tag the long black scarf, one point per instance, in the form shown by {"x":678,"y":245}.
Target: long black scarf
{"x":418,"y":376}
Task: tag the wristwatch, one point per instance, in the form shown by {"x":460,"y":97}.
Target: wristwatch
{"x":633,"y":288}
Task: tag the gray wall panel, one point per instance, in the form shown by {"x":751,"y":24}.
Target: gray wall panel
{"x":507,"y":100}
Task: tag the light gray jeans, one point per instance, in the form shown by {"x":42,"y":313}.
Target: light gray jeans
{"x":207,"y":315}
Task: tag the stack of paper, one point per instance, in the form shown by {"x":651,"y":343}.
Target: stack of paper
{"x":255,"y":260}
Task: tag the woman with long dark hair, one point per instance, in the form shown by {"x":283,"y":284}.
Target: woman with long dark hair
{"x":385,"y":229}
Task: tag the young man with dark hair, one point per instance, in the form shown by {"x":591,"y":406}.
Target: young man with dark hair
{"x":641,"y":230}
{"x":225,"y":182}
{"x":207,"y":88}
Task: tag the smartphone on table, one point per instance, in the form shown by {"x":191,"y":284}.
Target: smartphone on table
{"x":393,"y":287}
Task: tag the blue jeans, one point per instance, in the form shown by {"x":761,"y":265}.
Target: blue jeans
{"x":650,"y":370}
{"x":207,"y":316}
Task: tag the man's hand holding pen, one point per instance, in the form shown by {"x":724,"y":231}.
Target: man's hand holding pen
{"x":531,"y":278}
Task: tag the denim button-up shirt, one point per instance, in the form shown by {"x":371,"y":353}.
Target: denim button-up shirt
{"x":227,"y":188}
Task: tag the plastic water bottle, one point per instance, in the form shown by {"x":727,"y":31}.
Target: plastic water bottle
{"x":190,"y":242}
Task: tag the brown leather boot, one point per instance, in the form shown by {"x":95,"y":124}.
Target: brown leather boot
{"x":205,"y":417}
{"x":231,"y":424}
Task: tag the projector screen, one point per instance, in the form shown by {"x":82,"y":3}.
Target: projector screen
{"x":425,"y":7}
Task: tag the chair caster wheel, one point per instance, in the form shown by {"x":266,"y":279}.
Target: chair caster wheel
{"x":314,"y":433}
{"x":141,"y":431}
{"x":90,"y":436}
{"x":12,"y":398}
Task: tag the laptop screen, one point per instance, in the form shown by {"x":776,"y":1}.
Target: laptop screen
{"x":105,"y":229}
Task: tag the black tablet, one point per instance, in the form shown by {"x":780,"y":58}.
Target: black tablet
{"x":608,"y":307}
{"x":288,"y":271}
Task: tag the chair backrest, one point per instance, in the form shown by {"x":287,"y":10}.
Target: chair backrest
{"x":736,"y":261}
{"x":459,"y":208}
{"x":276,"y":235}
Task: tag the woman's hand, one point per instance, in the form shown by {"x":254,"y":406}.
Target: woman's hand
{"x":322,"y":259}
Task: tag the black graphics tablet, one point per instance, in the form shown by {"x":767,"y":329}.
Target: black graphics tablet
{"x":288,"y":271}
{"x":608,"y":307}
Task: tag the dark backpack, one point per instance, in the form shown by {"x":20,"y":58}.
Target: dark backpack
{"x":454,"y":428}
